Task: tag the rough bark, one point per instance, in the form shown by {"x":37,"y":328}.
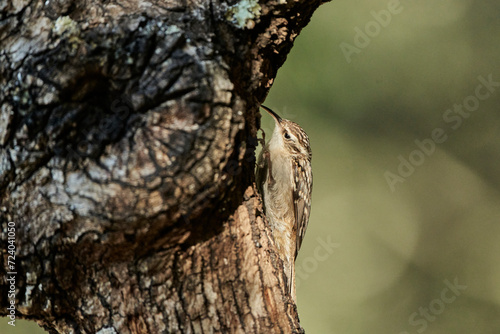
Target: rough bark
{"x":127,"y":137}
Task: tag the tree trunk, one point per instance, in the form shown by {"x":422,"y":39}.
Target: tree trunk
{"x":127,"y":138}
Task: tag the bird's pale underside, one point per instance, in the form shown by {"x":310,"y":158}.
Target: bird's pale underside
{"x":284,"y":179}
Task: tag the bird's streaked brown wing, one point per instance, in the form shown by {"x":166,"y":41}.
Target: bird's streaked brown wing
{"x":302,"y":187}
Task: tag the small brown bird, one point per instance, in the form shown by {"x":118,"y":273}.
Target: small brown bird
{"x":284,"y":179}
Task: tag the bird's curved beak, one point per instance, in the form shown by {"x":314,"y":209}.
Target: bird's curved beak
{"x":272,"y":113}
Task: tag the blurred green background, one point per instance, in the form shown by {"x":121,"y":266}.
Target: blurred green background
{"x":418,"y":252}
{"x":379,"y":256}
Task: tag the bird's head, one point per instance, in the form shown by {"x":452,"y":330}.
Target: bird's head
{"x":289,"y":137}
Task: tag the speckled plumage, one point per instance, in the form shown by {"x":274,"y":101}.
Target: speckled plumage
{"x":284,"y":179}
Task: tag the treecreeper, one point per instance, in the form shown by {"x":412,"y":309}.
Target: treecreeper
{"x":284,"y":179}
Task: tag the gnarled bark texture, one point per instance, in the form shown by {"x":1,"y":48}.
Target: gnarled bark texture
{"x":127,"y":137}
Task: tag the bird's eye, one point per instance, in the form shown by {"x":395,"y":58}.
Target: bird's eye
{"x":286,"y":135}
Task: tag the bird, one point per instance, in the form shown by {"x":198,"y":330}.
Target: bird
{"x":284,"y":180}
